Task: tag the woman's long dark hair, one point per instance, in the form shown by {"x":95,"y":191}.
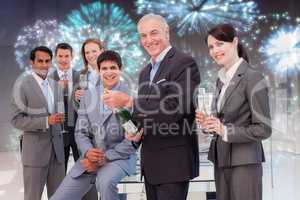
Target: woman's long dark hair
{"x":226,"y":33}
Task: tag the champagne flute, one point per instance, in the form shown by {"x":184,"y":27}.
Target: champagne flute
{"x":208,"y":100}
{"x":61,"y":110}
{"x":200,"y":102}
{"x":83,"y":83}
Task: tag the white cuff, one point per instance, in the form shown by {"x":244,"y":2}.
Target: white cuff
{"x":225,"y":136}
{"x":47,"y":124}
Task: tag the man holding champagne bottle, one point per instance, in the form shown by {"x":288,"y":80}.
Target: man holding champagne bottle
{"x":164,"y":109}
{"x":108,"y":156}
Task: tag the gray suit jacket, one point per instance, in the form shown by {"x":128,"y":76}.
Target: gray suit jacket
{"x":72,"y":115}
{"x":94,"y":122}
{"x":29,"y":114}
{"x":245,"y":111}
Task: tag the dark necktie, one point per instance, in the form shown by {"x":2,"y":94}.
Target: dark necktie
{"x":66,"y":99}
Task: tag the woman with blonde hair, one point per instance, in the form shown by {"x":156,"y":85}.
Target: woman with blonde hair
{"x":90,"y":50}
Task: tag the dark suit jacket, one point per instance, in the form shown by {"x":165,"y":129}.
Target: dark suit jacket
{"x":72,"y":113}
{"x":246,"y":114}
{"x":165,"y":110}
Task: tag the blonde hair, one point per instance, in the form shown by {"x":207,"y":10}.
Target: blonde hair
{"x":85,"y":62}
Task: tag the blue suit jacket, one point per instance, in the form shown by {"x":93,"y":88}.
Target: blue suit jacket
{"x":95,"y":121}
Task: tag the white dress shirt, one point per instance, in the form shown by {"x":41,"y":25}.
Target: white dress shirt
{"x":225,"y":77}
{"x":93,"y":76}
{"x":70,"y":78}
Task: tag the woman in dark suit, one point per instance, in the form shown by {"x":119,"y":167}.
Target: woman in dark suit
{"x":241,"y":120}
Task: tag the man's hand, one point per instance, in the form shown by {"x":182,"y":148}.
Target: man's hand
{"x":102,"y":161}
{"x":78,"y":94}
{"x":88,"y":165}
{"x":134,"y":137}
{"x":117,"y":99}
{"x":95,"y":155}
{"x":56,"y":118}
{"x":63,"y":83}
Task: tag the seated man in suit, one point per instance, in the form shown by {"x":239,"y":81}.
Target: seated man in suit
{"x":108,"y":156}
{"x":35,"y":112}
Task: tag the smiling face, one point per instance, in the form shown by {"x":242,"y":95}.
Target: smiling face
{"x":41,"y":63}
{"x":91,"y":53}
{"x":223,"y":53}
{"x":63,"y":59}
{"x":154,"y":36}
{"x":109,"y":73}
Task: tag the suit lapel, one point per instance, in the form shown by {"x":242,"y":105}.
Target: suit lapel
{"x":216,"y":96}
{"x":37,"y":89}
{"x":57,"y":93}
{"x":55,"y":75}
{"x":71,"y":98}
{"x":234,"y":82}
{"x":163,"y":64}
{"x":145,"y":81}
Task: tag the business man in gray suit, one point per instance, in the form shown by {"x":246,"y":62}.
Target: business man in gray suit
{"x":68,"y":79}
{"x":35,"y":112}
{"x":108,"y":156}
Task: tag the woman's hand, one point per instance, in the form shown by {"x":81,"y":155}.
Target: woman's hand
{"x":200,"y":117}
{"x":214,"y":125}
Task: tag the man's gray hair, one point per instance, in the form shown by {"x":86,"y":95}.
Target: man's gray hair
{"x":152,"y":16}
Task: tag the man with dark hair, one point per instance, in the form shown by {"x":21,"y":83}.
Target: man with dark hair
{"x":35,"y":112}
{"x":41,"y":49}
{"x":108,"y":156}
{"x":110,"y":56}
{"x":64,"y":46}
{"x":67,"y":78}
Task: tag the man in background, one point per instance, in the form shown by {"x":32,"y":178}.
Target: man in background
{"x":67,"y":79}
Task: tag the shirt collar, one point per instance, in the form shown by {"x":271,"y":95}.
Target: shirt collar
{"x":61,"y":73}
{"x":226,"y":76}
{"x":161,"y":56}
{"x":91,"y":69}
{"x":38,"y":78}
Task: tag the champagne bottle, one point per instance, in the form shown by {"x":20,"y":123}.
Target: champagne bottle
{"x":126,"y":120}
